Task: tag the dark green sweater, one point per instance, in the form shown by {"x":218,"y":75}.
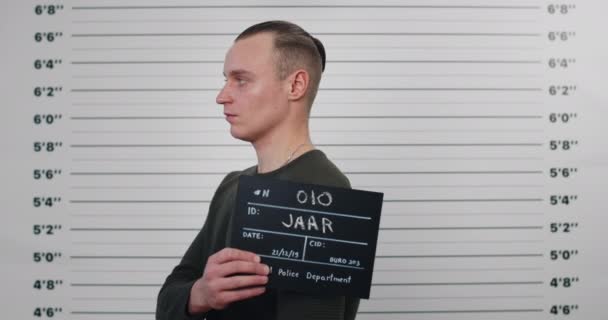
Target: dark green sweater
{"x":312,"y":167}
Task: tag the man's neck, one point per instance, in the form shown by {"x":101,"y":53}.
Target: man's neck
{"x":276,"y":151}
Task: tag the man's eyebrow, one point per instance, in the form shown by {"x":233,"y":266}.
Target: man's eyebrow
{"x":238,"y":72}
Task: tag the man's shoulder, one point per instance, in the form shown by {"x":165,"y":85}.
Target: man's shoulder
{"x":232,"y":177}
{"x":317,"y":168}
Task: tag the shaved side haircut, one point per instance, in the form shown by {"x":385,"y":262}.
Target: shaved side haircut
{"x":295,"y":49}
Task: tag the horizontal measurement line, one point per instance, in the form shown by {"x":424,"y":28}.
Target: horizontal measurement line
{"x":152,"y":145}
{"x":465,"y":228}
{"x":329,"y":19}
{"x":190,"y":187}
{"x":468,"y":200}
{"x":125,"y":257}
{"x":420,"y":186}
{"x":378,"y":257}
{"x":333,"y":75}
{"x":262,"y":6}
{"x":346,"y":103}
{"x":315,"y":117}
{"x":428,"y":47}
{"x":447,"y":172}
{"x":141,"y":243}
{"x":317,"y":130}
{"x":117,"y":271}
{"x":438,"y":61}
{"x":142,"y":187}
{"x":146,"y":62}
{"x":186,"y":243}
{"x":484,"y":241}
{"x":459,"y":283}
{"x":455,"y":297}
{"x":461,"y":269}
{"x":452,"y":311}
{"x":456,"y":214}
{"x":139,"y":201}
{"x":89,"y":90}
{"x":145,"y":118}
{"x":84,"y":62}
{"x":377,"y":76}
{"x":432,"y":117}
{"x":446,"y":103}
{"x":406,"y":270}
{"x":514,"y":255}
{"x":359,"y":312}
{"x":144,"y":89}
{"x":114,"y":285}
{"x":115,"y":298}
{"x":114,"y":312}
{"x":233,"y":34}
{"x":336,"y":158}
{"x":431,"y":89}
{"x":175,"y":145}
{"x":345,"y":172}
{"x":365,"y":74}
{"x":143,"y":173}
{"x":135,"y":229}
{"x":123,"y":215}
{"x":97,"y":243}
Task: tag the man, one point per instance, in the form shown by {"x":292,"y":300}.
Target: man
{"x":272,"y":73}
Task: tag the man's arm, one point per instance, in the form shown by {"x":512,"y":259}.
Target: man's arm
{"x":229,"y":275}
{"x":205,"y":280}
{"x":172,"y":302}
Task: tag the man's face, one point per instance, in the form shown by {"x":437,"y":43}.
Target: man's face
{"x":254,"y":99}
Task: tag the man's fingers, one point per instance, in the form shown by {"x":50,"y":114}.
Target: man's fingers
{"x":232,"y":275}
{"x":228,"y":297}
{"x":230,"y":254}
{"x":224,"y":291}
{"x":240,"y":282}
{"x":241,"y":267}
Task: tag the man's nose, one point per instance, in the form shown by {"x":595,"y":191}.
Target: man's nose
{"x":223,"y":96}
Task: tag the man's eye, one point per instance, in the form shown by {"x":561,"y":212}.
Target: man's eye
{"x":241,"y":81}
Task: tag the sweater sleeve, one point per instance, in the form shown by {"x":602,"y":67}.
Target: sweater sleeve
{"x":173,"y":298}
{"x":174,"y":295}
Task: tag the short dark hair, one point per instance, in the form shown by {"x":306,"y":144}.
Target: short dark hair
{"x":296,"y":48}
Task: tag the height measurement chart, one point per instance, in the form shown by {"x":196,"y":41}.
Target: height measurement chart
{"x":481,"y":122}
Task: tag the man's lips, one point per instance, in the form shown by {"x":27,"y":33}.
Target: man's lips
{"x":229,"y":116}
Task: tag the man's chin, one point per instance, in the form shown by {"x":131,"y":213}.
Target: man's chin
{"x":240,"y":135}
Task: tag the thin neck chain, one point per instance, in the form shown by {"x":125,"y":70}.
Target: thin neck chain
{"x":294,"y":152}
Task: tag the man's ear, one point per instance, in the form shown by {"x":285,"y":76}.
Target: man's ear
{"x":298,"y":84}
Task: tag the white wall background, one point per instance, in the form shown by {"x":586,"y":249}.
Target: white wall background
{"x":445,"y":106}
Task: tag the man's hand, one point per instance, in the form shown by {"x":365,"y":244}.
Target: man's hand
{"x":219,"y":286}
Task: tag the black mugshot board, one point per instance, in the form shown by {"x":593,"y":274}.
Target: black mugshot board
{"x":315,"y":239}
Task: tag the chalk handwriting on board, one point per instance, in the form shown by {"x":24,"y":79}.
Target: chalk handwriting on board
{"x":311,"y":223}
{"x":325,"y":199}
